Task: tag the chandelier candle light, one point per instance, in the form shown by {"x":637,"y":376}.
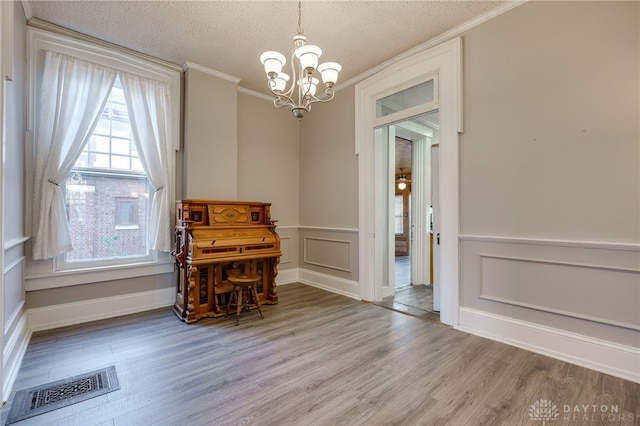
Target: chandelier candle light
{"x":303,"y":81}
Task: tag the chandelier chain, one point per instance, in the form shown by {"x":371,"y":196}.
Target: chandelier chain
{"x":300,"y":30}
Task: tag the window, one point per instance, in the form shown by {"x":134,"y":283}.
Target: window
{"x":98,"y":211}
{"x":126,"y":213}
{"x":402,"y":212}
{"x":399,"y":215}
{"x":107,"y":193}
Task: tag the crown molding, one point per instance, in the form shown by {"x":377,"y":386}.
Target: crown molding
{"x":56,"y":29}
{"x":255,"y":94}
{"x":188,"y":65}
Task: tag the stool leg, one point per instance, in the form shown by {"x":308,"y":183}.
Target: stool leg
{"x":232,"y":297}
{"x":238,"y":304}
{"x":255,"y":298}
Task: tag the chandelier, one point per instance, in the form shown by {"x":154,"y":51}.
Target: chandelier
{"x":302,"y":92}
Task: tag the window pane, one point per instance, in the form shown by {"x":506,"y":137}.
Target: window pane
{"x":121,"y":129}
{"x":120,"y":146}
{"x":83,"y":160}
{"x":103,"y":127}
{"x":99,"y":144}
{"x":96,"y":205}
{"x":99,"y":160}
{"x":117,"y":95}
{"x":399,"y":224}
{"x":119,"y":112}
{"x":408,"y":98}
{"x":126,"y":212}
{"x":120,"y":162}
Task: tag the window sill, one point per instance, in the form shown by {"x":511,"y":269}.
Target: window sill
{"x":43,"y":281}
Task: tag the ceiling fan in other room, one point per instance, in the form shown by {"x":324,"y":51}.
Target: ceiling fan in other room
{"x":402,"y":180}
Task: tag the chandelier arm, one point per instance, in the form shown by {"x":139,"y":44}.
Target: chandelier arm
{"x":287,"y":94}
{"x":282,"y":101}
{"x":311,"y":99}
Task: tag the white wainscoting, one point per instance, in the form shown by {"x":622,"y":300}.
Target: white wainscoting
{"x":572,"y":300}
{"x":15,"y":346}
{"x":15,"y":326}
{"x":285,"y":248}
{"x":328,"y":253}
{"x":563,"y":288}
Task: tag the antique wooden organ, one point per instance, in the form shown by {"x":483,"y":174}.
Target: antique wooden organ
{"x":216,"y":239}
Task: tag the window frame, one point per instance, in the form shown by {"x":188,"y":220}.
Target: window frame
{"x":43,"y":274}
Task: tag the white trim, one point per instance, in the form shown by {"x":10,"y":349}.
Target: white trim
{"x":330,"y":283}
{"x":294,"y":227}
{"x":8,"y":245}
{"x":15,"y":316}
{"x":482,"y":256}
{"x":606,"y":357}
{"x":65,"y":314}
{"x":253,"y":93}
{"x":13,"y":264}
{"x":192,"y":65}
{"x":287,"y":276}
{"x":549,"y":242}
{"x":320,"y":228}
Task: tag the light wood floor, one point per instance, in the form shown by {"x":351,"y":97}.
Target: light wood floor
{"x":316,"y":359}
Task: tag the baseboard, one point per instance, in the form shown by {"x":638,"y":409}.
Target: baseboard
{"x":62,"y":315}
{"x":14,"y":349}
{"x":330,"y":283}
{"x":66,"y":314}
{"x":287,"y":276}
{"x":599,"y":355}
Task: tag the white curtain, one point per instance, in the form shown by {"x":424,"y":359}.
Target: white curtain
{"x":74,"y":93}
{"x":148,"y":103}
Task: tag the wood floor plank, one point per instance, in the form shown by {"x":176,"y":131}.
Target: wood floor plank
{"x":317,"y":358}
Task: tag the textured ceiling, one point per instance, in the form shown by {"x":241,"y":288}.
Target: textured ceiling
{"x":229,"y":36}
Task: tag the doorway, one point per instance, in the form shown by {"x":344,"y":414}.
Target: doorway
{"x":442,"y":65}
{"x":413,"y":204}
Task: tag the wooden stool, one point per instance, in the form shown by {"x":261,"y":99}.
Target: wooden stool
{"x":240,"y":283}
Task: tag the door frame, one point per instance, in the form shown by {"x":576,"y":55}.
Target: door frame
{"x":444,"y":61}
